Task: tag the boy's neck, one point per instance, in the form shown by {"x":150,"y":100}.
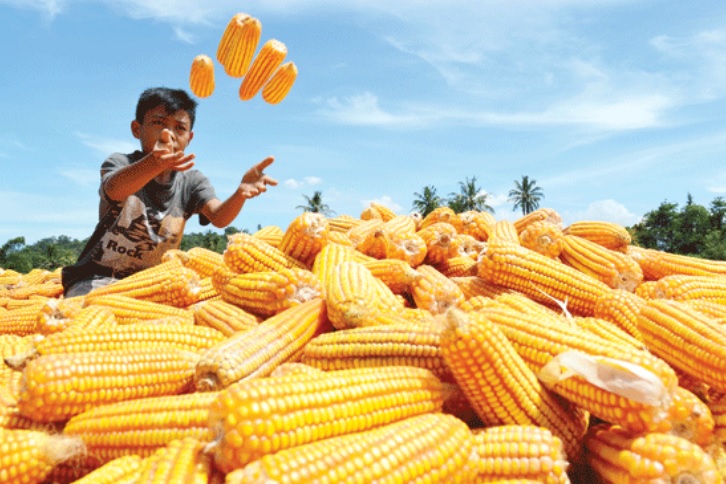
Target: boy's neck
{"x":164,"y":178}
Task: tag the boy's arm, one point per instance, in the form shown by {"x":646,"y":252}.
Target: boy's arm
{"x":130,"y":179}
{"x":254,"y":182}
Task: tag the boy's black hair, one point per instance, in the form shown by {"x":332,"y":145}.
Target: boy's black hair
{"x":173,"y":100}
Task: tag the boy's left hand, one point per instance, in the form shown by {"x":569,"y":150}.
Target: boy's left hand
{"x":255,"y":181}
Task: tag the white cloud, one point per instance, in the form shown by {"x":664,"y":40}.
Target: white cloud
{"x":604,"y":210}
{"x":48,"y":8}
{"x":313,"y":180}
{"x":308,"y":181}
{"x":363,"y":109}
{"x":105,"y":146}
{"x":81,"y":176}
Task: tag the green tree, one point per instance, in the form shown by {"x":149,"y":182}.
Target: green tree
{"x":657,"y":230}
{"x":525,"y":195}
{"x":470,"y":197}
{"x":315,"y":204}
{"x":692,"y":225}
{"x":718,"y":213}
{"x":426,"y":201}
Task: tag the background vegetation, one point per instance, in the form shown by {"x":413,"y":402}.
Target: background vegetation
{"x":690,"y":229}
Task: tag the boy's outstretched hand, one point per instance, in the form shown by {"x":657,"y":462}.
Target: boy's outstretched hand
{"x":255,"y":181}
{"x":168,"y":157}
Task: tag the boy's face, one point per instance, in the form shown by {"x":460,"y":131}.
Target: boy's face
{"x":157,"y":120}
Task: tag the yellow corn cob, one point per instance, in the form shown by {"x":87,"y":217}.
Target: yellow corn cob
{"x":246,"y":253}
{"x":268,"y":293}
{"x":410,"y":344}
{"x":686,"y":288}
{"x":167,"y":283}
{"x":57,"y":386}
{"x":272,"y":234}
{"x":268,"y":59}
{"x":695,"y":421}
{"x":608,"y":330}
{"x":606,"y":234}
{"x":670,"y":327}
{"x":90,"y":318}
{"x":304,"y":237}
{"x":615,"y":269}
{"x":524,"y":304}
{"x":477,"y":224}
{"x":279,"y":85}
{"x":21,"y":321}
{"x":11,"y":344}
{"x":340,"y":238}
{"x":428,"y":448}
{"x":353,"y":295}
{"x":657,"y":264}
{"x":378,"y":211}
{"x":129,"y":310}
{"x":118,"y":470}
{"x":343,"y":223}
{"x":143,"y":425}
{"x":204,"y":262}
{"x":474,"y":285}
{"x":180,"y":461}
{"x":441,"y":242}
{"x":519,"y":452}
{"x":295,"y":368}
{"x":207,"y":290}
{"x":500,"y":386}
{"x":540,"y":277}
{"x":265,"y":415}
{"x":44,"y":289}
{"x":434,"y":291}
{"x":10,"y":418}
{"x":13,"y":304}
{"x":441,"y":214}
{"x":408,"y":247}
{"x":540,"y":340}
{"x":617,"y":456}
{"x":56,"y":313}
{"x":543,"y":237}
{"x":256,"y":352}
{"x":330,"y":256}
{"x":400,"y":224}
{"x":621,"y":308}
{"x":201,"y":76}
{"x":459,"y":266}
{"x":647,"y":290}
{"x":476,"y":303}
{"x":28,"y":456}
{"x":369,"y":238}
{"x":224,"y":317}
{"x":238,"y":44}
{"x":717,"y":406}
{"x":541,"y":214}
{"x":397,"y":274}
{"x":711,"y":309}
{"x":470,"y":247}
{"x":503,"y":232}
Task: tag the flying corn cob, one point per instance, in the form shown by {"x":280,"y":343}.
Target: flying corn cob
{"x":224,"y":317}
{"x":428,"y":448}
{"x":28,"y":456}
{"x":269,"y":58}
{"x":304,"y":237}
{"x":261,"y":416}
{"x":617,"y":456}
{"x":500,"y":386}
{"x":279,"y":85}
{"x":607,"y":234}
{"x":201,"y":76}
{"x":258,"y":351}
{"x":141,"y":426}
{"x":238,"y":44}
{"x":57,"y":386}
{"x":246,"y":253}
{"x":617,"y":270}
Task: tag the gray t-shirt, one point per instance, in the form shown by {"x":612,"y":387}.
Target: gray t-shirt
{"x":133,"y":234}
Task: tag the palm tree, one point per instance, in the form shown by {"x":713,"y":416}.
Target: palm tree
{"x":315,"y":204}
{"x":526,"y":195}
{"x":427,"y":201}
{"x":470,"y":197}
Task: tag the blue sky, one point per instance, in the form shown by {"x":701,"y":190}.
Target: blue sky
{"x":612,"y":106}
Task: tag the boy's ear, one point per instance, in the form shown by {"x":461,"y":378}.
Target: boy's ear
{"x":191,"y":136}
{"x":136,"y":129}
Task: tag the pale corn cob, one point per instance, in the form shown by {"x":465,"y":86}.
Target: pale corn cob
{"x":167,"y":283}
{"x":607,"y":234}
{"x":272,"y":234}
{"x":477,"y":224}
{"x":399,"y":224}
{"x":517,"y":452}
{"x":329,"y":257}
{"x":375,"y":210}
{"x":541,"y":278}
{"x":28,"y":456}
{"x":224,"y":317}
{"x":238,"y":44}
{"x":618,"y":456}
{"x":428,"y":448}
{"x":180,"y":461}
{"x":343,"y":223}
{"x":540,"y":340}
{"x":474,"y":285}
{"x":657,"y":264}
{"x":117,"y":471}
{"x":201,"y":76}
{"x":341,"y":238}
{"x":304,"y":237}
{"x":409,"y":344}
{"x":268,"y":59}
{"x":617,"y":270}
{"x":441,"y":214}
{"x":717,"y":406}
{"x":408,"y":247}
{"x":523,"y":304}
{"x":500,"y":386}
{"x":57,"y":386}
{"x":45,"y":289}
{"x":541,"y":214}
{"x":141,"y":426}
{"x":56,"y":313}
{"x":434,"y":291}
{"x":441,"y":242}
{"x":268,"y":293}
{"x":265,"y":415}
{"x":246,"y":253}
{"x":543,"y":237}
{"x":696,"y":423}
{"x":670,"y":327}
{"x":256,"y":352}
{"x":280,"y":84}
{"x":468,"y":246}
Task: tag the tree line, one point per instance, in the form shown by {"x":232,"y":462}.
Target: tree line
{"x":691,"y":229}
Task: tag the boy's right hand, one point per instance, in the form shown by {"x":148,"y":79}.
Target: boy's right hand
{"x":165,"y":155}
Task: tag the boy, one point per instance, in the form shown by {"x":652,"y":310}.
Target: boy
{"x":147,"y":196}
